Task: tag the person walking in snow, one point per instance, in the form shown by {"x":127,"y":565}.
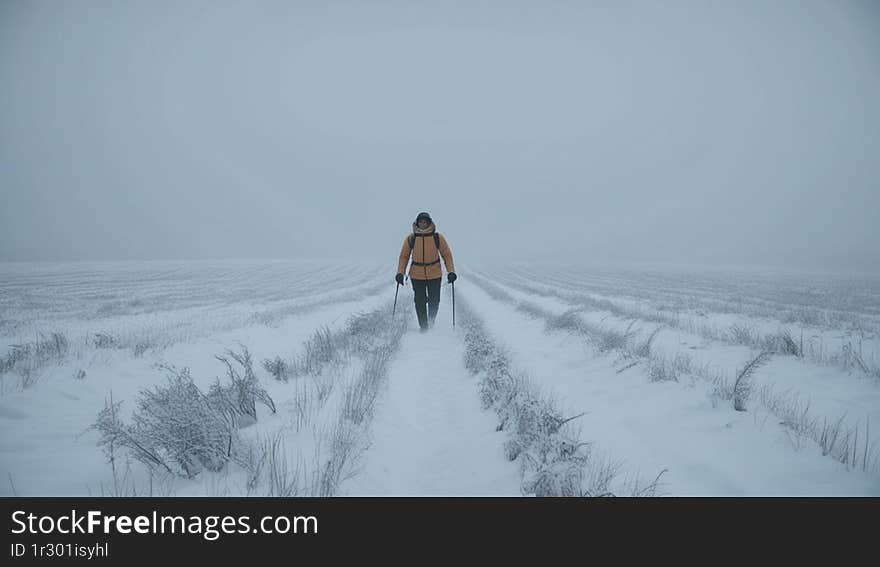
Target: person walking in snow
{"x":425,"y":245}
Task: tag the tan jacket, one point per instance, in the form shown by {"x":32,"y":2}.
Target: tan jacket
{"x":424,"y":250}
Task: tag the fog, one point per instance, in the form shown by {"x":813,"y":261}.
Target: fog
{"x":698,"y":132}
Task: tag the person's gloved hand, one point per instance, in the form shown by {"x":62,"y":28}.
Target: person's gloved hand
{"x":399,"y":278}
{"x":451,"y":277}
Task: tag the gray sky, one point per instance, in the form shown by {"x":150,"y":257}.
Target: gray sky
{"x":734,"y":132}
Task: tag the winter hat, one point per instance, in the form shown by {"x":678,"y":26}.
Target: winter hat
{"x":423,"y":215}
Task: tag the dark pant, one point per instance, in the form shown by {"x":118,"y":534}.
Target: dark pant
{"x":426,"y":292}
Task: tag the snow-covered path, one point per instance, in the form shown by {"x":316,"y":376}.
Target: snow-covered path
{"x":430,"y":435}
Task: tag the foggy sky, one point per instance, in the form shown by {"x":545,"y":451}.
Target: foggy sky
{"x":726,"y":132}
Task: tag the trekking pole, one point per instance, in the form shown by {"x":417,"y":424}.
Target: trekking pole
{"x":396,"y":289}
{"x":453,"y":305}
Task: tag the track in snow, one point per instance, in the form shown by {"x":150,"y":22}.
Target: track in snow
{"x":430,"y":435}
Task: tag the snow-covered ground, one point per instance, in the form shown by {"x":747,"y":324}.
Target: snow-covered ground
{"x":430,"y":436}
{"x":361,"y":409}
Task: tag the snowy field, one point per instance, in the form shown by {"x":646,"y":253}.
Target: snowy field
{"x":293,"y":378}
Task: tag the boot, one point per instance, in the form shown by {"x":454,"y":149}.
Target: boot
{"x":432,"y":313}
{"x":421,"y":313}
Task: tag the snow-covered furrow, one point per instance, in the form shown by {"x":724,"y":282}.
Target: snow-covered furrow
{"x":838,"y":303}
{"x":707,"y":447}
{"x":828,"y":348}
{"x":832,"y":407}
{"x":113,"y":290}
{"x":45,"y":429}
{"x":845,"y":293}
{"x":156,"y":331}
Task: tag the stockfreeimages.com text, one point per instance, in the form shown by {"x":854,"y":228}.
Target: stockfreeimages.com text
{"x":210,"y":527}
